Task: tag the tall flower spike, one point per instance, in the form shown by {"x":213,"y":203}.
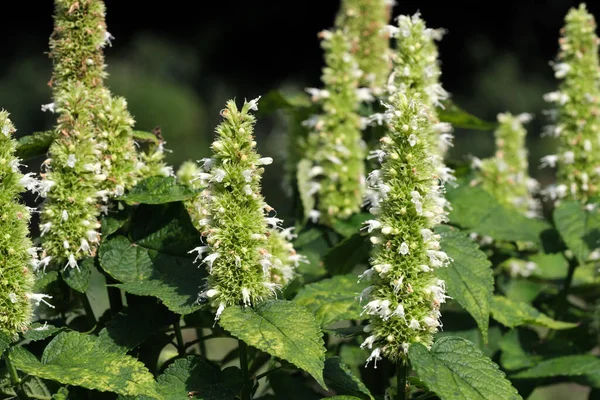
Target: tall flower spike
{"x":417,"y":71}
{"x":235,"y":222}
{"x":577,"y":124}
{"x":506,"y":175}
{"x":334,"y":145}
{"x":365,"y":22}
{"x":404,"y":298}
{"x":16,"y":252}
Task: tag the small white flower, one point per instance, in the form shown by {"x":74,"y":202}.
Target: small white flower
{"x":414,"y":324}
{"x":38,"y":298}
{"x":13,"y":297}
{"x":45,"y":228}
{"x":371,"y":225}
{"x":218,"y":175}
{"x":561,"y":70}
{"x":29,"y":182}
{"x":403,"y":249}
{"x":6,"y":129}
{"x":264,"y":161}
{"x":72,"y":262}
{"x":44,"y":187}
{"x":219,"y":311}
{"x":568,"y":157}
{"x":247,"y":190}
{"x":71,"y":160}
{"x":107,"y":38}
{"x":314,"y":216}
{"x":431,"y":322}
{"x":273,"y":222}
{"x":549,"y":161}
{"x":375,"y":356}
{"x":364,"y":94}
{"x":246,"y":297}
{"x":399,"y":311}
{"x":85,"y":247}
{"x":253,"y":104}
{"x":412,"y":140}
{"x":368,"y":342}
{"x":210,"y":259}
{"x":247,"y":174}
{"x":49,"y":107}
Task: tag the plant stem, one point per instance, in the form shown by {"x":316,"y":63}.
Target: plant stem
{"x":114,"y":296}
{"x":201,"y":341}
{"x":14,"y":378}
{"x":268,"y":372}
{"x":89,"y":312}
{"x":401,"y":374}
{"x":179,"y":336}
{"x":243,"y":349}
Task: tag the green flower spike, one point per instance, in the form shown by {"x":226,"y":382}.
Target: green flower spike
{"x":506,"y":176}
{"x":577,"y":113}
{"x":334,"y":146}
{"x":404,"y":298}
{"x":416,"y":71}
{"x":365,"y":22}
{"x":17,"y":254}
{"x":235,"y":222}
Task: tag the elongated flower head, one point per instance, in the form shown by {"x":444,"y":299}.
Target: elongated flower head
{"x":365,"y":22}
{"x":577,"y":124}
{"x":506,"y":174}
{"x":71,"y":179}
{"x":17,"y":254}
{"x":404,"y":297}
{"x":285,"y":259}
{"x":236,"y":220}
{"x":335,"y":147}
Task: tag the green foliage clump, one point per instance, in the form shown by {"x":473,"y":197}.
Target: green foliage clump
{"x":577,"y":113}
{"x":17,"y":254}
{"x":334,"y":145}
{"x":364,"y":22}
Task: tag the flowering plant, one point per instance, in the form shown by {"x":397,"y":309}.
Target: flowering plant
{"x":397,"y":276}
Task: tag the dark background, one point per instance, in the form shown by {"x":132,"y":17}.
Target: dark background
{"x":178,"y":62}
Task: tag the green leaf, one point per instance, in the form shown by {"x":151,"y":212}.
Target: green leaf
{"x":307,"y":237}
{"x":158,"y":190}
{"x":347,"y":332}
{"x":5,"y":341}
{"x":579,"y":228}
{"x":304,"y":186}
{"x":513,"y":354}
{"x":343,"y":258}
{"x":340,"y":378}
{"x":72,"y":358}
{"x":455,"y":370}
{"x":113,"y":222}
{"x":277,"y":100}
{"x":155,"y":260}
{"x":459,"y":118}
{"x":511,"y":314}
{"x":142,"y":136}
{"x":474,"y":336}
{"x":282,"y":329}
{"x":478,"y":211}
{"x":291,"y":387}
{"x":469,"y":278}
{"x":549,"y":266}
{"x":34,"y":145}
{"x":197,"y":378}
{"x":332,"y":300}
{"x":523,"y":290}
{"x":575,"y":365}
{"x":352,"y":225}
{"x":39,"y":331}
{"x":79,"y":279}
{"x":44,"y":279}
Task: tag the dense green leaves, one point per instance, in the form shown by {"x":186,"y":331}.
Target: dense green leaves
{"x":155,"y":260}
{"x":455,"y":370}
{"x":469,"y":278}
{"x":79,"y":279}
{"x":332,"y":300}
{"x":344,"y":257}
{"x":578,"y":227}
{"x":514,"y":356}
{"x":282,"y":329}
{"x":564,"y":366}
{"x":39,"y":331}
{"x":340,"y":378}
{"x":158,"y":190}
{"x":478,"y":211}
{"x":511,"y":314}
{"x":73,"y":358}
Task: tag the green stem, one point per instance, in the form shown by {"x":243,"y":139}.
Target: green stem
{"x":243,"y":349}
{"x":179,"y":336}
{"x":266,"y":373}
{"x":14,"y":378}
{"x":201,"y":341}
{"x":401,"y":375}
{"x":114,"y":296}
{"x":89,"y":312}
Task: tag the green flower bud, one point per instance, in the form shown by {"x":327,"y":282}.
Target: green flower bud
{"x":235,"y":220}
{"x":187,"y":173}
{"x":577,"y":112}
{"x":17,"y":254}
{"x":506,"y":175}
{"x":365,"y":22}
{"x":404,"y":298}
{"x":335,"y":146}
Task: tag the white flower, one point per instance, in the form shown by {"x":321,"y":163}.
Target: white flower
{"x":71,"y":160}
{"x":561,"y":70}
{"x":375,"y":356}
{"x":246,"y":297}
{"x":85,"y":247}
{"x":264,"y":161}
{"x":72,"y":262}
{"x":412,"y":140}
{"x":364,"y":94}
{"x":403,"y":248}
{"x":38,"y":298}
{"x":431,"y":322}
{"x":29,"y":182}
{"x":45,"y":228}
{"x":6,"y":129}
{"x":253,"y":104}
{"x":210,"y":259}
{"x":219,"y":311}
{"x":399,"y":311}
{"x":13,"y":297}
{"x":414,"y":324}
{"x":371,"y":225}
{"x":273,"y":222}
{"x":549,"y":161}
{"x":247,"y":190}
{"x":314,"y":216}
{"x":368,"y":342}
{"x":218,"y":175}
{"x":44,"y":187}
{"x":107,"y":38}
{"x":49,"y":107}
{"x":568,"y":157}
{"x":247,"y":174}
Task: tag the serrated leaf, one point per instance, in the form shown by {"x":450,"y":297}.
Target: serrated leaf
{"x":158,"y":190}
{"x":332,"y":300}
{"x":113,"y":222}
{"x":478,"y":211}
{"x":197,"y":378}
{"x":155,"y":260}
{"x":350,"y":252}
{"x":469,"y":278}
{"x":5,"y":341}
{"x":34,"y":145}
{"x":79,"y":279}
{"x":459,"y":118}
{"x":352,"y":225}
{"x":304,"y":187}
{"x":513,"y":355}
{"x":282,"y":329}
{"x":474,"y":336}
{"x":340,"y":378}
{"x":455,"y":370}
{"x":43,"y":280}
{"x":549,"y":266}
{"x":39,"y":331}
{"x":523,"y":290}
{"x":511,"y":314}
{"x":575,"y":365}
{"x":72,"y":358}
{"x":578,"y":227}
